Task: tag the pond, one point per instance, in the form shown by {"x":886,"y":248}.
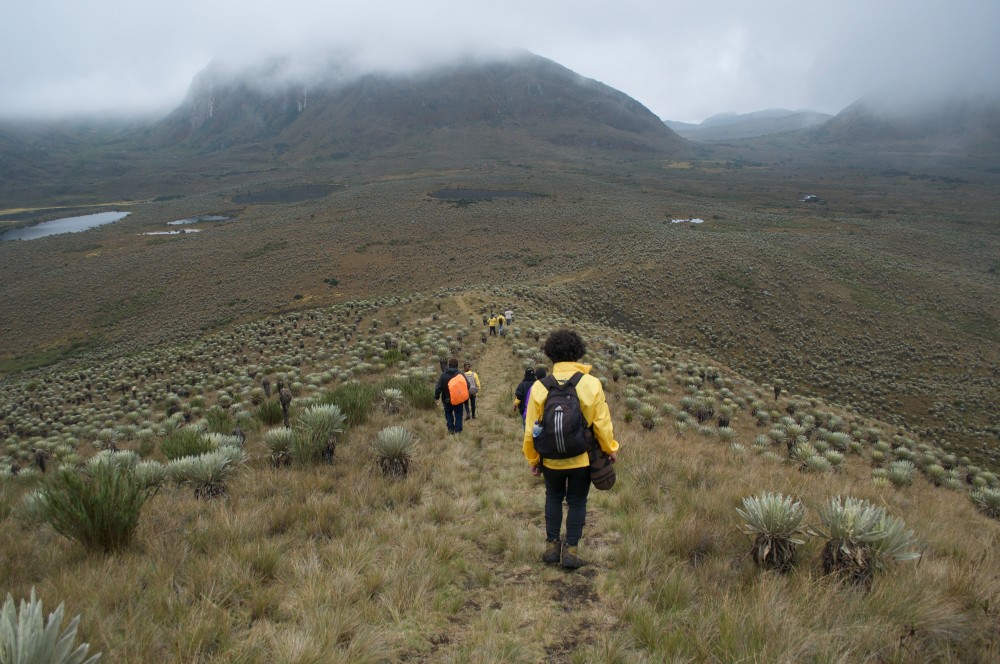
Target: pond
{"x":687,"y":221}
{"x":195,"y":220}
{"x":293,"y":194}
{"x":64,"y":225}
{"x":183,"y":231}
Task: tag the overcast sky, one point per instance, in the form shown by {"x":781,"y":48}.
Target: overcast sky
{"x":683,"y":60}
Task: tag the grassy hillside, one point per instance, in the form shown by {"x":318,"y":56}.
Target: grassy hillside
{"x":327,"y":563}
{"x":884,"y":298}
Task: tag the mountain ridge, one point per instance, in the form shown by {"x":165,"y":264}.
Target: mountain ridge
{"x":732,"y":126}
{"x":375,"y":111}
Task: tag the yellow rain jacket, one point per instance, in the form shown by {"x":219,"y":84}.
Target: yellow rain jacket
{"x":592,"y":404}
{"x":475,"y":376}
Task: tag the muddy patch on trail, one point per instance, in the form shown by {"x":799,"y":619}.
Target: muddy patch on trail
{"x":575,"y":591}
{"x":562,"y":651}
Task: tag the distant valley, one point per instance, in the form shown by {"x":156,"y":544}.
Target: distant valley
{"x":883,"y":296}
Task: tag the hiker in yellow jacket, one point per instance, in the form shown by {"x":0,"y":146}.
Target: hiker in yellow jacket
{"x":493,"y":325}
{"x":473,"y":378}
{"x":568,"y":479}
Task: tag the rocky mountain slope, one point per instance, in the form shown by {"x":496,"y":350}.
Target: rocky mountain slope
{"x":527,"y":97}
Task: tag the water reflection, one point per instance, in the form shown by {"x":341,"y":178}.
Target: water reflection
{"x":64,"y":225}
{"x":195,"y":220}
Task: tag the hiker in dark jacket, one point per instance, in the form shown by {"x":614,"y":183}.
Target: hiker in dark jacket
{"x":452,"y":414}
{"x":522,"y":390}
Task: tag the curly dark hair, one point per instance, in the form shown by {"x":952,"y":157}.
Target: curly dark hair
{"x":564,"y":346}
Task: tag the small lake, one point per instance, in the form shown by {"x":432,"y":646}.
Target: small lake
{"x":687,"y":221}
{"x":195,"y":220}
{"x":64,"y":225}
{"x":292,"y":194}
{"x":183,"y":231}
{"x":479,"y":194}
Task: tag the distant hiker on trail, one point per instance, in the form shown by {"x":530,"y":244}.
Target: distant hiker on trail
{"x":560,"y":434}
{"x":473,"y":379}
{"x":453,"y":390}
{"x":522,"y":390}
{"x":501,"y":321}
{"x":521,"y":402}
{"x":493,"y":325}
{"x":509,"y":315}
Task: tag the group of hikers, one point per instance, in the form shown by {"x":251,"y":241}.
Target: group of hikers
{"x":568,"y":438}
{"x":497,"y":322}
{"x":457,"y":391}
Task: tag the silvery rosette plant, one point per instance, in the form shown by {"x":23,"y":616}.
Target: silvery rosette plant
{"x":862,"y":539}
{"x":987,"y":501}
{"x":27,"y":638}
{"x":394,"y":450}
{"x":775,"y":523}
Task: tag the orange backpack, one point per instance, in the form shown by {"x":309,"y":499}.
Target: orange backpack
{"x":458,"y":389}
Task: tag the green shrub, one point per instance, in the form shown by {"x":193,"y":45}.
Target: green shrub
{"x":98,"y":509}
{"x":392,"y":357}
{"x":354,"y":400}
{"x":418,"y":392}
{"x":316,"y":431}
{"x":26,"y":638}
{"x":218,"y":420}
{"x":269,"y":413}
{"x":186,"y":441}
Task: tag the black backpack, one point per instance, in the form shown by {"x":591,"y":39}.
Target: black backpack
{"x":565,"y":432}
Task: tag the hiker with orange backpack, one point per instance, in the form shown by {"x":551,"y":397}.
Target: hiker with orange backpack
{"x":453,"y":390}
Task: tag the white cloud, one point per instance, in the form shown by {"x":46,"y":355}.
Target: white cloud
{"x":684,"y":61}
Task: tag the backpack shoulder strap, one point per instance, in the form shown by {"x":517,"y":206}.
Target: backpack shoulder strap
{"x":577,"y":377}
{"x":550,"y":382}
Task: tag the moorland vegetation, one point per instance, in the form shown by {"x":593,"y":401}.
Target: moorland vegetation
{"x":255,"y":544}
{"x":223,"y":446}
{"x":884,"y":299}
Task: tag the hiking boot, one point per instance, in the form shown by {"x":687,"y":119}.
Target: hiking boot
{"x":552,"y":551}
{"x":570,"y":559}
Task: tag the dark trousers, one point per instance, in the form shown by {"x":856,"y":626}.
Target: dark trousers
{"x":470,"y":406}
{"x":493,"y":330}
{"x":573,"y":486}
{"x":453,"y":417}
